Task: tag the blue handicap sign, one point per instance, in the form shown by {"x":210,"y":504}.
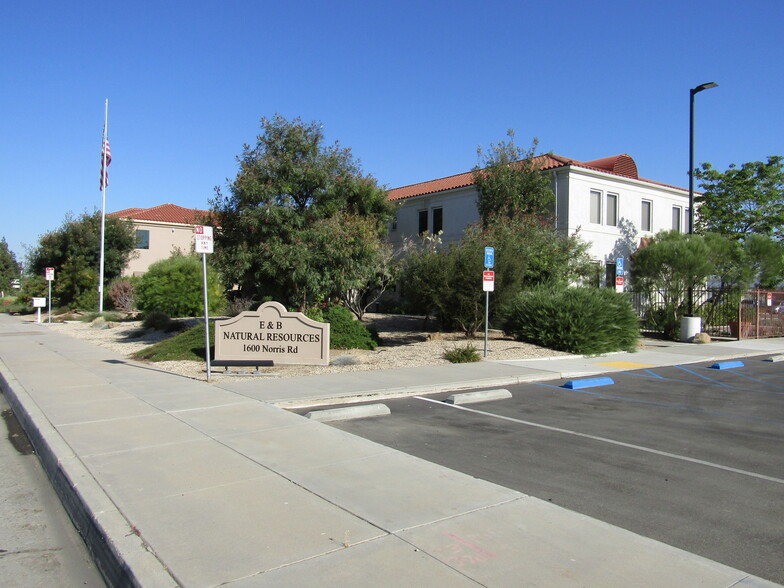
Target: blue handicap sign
{"x":489,"y":256}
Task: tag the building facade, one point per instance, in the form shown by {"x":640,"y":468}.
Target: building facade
{"x":604,"y":201}
{"x":160,"y":231}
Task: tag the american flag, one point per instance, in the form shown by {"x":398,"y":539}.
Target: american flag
{"x":106,"y":156}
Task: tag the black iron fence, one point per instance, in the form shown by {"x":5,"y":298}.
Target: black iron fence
{"x":725,"y":312}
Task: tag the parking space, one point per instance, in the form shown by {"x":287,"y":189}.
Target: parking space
{"x":689,"y":455}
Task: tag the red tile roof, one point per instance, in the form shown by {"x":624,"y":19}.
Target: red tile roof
{"x":619,"y":165}
{"x":165,"y":213}
{"x":462,"y":180}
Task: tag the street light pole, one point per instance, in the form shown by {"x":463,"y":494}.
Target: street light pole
{"x":692,"y":92}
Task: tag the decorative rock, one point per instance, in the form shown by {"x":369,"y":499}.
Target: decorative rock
{"x":701,"y":338}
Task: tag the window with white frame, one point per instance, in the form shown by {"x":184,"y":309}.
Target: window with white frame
{"x":612,"y":210}
{"x":596,"y":207}
{"x":645,"y":215}
{"x":676,"y":218}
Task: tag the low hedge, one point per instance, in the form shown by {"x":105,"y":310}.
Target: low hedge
{"x":576,"y":320}
{"x":345,"y":332}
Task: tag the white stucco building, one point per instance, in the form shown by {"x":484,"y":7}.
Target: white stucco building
{"x":604,"y":200}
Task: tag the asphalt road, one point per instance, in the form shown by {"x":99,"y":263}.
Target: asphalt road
{"x":38,"y":544}
{"x":687,"y":455}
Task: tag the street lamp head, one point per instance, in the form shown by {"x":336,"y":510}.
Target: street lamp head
{"x":702,"y":87}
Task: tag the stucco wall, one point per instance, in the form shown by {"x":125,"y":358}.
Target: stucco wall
{"x":608,"y":242}
{"x":165,"y":238}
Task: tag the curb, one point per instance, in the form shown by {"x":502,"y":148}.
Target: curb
{"x":120,"y":554}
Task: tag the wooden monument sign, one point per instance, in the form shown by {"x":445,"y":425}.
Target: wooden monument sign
{"x":271,"y":333}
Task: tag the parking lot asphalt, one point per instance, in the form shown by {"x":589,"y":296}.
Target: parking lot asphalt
{"x":686,"y":454}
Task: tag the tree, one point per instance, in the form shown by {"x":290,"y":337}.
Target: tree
{"x":671,"y":264}
{"x":511,"y":182}
{"x":744,"y":200}
{"x":674,"y":262}
{"x":9,"y":268}
{"x":445,"y":281}
{"x":74,"y":251}
{"x":298,"y":216}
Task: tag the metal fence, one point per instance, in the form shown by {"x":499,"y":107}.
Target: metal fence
{"x":725,"y":312}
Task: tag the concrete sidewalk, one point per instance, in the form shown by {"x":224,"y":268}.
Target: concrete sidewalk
{"x":178,"y":482}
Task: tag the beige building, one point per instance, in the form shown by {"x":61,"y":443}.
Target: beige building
{"x":160,"y":231}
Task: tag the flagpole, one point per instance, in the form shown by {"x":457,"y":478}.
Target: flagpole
{"x":104,"y":175}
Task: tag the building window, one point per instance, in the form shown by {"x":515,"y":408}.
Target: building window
{"x":596,"y":207}
{"x":612,"y":210}
{"x":645,"y":219}
{"x":142,"y":239}
{"x":393,"y":226}
{"x":422,"y":222}
{"x":676,"y":218}
{"x":438,"y":220}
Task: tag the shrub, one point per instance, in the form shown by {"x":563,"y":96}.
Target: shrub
{"x":175,"y":286}
{"x":160,"y":321}
{"x":107,"y":316}
{"x":466,"y":354}
{"x":122,"y":294}
{"x":576,"y":320}
{"x":346,"y":332}
{"x":10,"y":304}
{"x":445,"y":281}
{"x":237,"y":305}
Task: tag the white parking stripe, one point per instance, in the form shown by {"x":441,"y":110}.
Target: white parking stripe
{"x":611,"y":441}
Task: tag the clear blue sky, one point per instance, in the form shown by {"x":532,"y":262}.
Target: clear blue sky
{"x":411,"y":87}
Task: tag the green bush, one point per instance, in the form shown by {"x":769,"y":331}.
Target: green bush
{"x":11,"y":304}
{"x":346,"y":332}
{"x":465,"y":354}
{"x":160,"y":321}
{"x":446,"y":281}
{"x":577,"y":320}
{"x":175,"y":286}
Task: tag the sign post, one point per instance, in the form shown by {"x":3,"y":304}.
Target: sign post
{"x":619,"y":274}
{"x":50,"y":279}
{"x":488,"y":285}
{"x":204,"y":245}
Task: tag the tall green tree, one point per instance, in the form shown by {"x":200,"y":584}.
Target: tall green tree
{"x":74,"y":251}
{"x":511,"y":182}
{"x":9,"y":268}
{"x":742,"y":200}
{"x":298,"y":216}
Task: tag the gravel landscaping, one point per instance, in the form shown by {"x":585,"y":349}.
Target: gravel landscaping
{"x":406,"y":341}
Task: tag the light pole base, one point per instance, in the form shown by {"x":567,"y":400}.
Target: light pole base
{"x":690,"y":326}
